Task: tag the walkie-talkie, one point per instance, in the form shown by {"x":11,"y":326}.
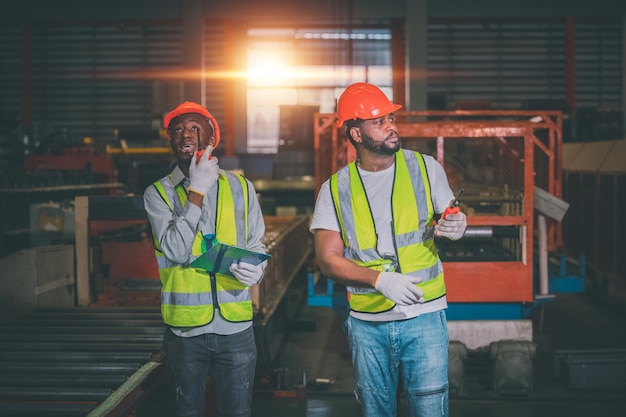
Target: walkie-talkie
{"x":453,"y":207}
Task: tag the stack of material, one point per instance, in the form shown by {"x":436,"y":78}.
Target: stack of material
{"x":289,"y":242}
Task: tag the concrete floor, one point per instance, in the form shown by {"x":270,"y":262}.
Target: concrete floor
{"x":316,"y":345}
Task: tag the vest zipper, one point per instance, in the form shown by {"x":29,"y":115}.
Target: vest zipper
{"x":393,"y":228}
{"x":214,"y":290}
{"x":218,"y":263}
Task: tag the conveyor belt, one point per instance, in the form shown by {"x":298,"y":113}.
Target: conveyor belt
{"x":66,"y":362}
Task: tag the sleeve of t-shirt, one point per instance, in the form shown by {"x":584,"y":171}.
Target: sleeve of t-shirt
{"x":324,"y":216}
{"x":439,"y":186}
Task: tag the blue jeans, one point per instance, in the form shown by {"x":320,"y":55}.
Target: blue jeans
{"x":231,"y":361}
{"x":413,"y":352}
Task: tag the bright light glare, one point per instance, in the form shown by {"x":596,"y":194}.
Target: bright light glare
{"x":274,"y":75}
{"x":269,"y":73}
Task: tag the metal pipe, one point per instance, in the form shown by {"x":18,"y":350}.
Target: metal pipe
{"x":85,"y":337}
{"x":48,"y":356}
{"x":36,"y":346}
{"x":489,"y":232}
{"x":98,"y":312}
{"x":473,"y":232}
{"x":68,"y":368}
{"x":71,"y":322}
{"x":53,"y":315}
{"x":62,"y":380}
{"x":54,"y":394}
{"x":92,"y":328}
{"x":543,"y":254}
{"x":48,"y":409}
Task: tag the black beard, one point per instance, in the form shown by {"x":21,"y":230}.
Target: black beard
{"x":378,"y":148}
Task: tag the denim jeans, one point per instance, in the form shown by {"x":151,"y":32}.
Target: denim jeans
{"x":231,"y":362}
{"x":409,"y":353}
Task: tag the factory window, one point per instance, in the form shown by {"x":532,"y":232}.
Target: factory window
{"x":294,"y":72}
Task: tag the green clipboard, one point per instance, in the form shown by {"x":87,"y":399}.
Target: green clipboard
{"x":219,"y":256}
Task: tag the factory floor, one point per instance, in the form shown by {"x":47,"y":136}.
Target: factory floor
{"x":315,"y":344}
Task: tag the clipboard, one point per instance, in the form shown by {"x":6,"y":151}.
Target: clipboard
{"x":219,"y":256}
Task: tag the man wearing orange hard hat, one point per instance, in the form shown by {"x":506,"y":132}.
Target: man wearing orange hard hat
{"x":374,"y":232}
{"x":208,"y":315}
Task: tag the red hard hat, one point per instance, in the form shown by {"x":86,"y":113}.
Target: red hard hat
{"x":190,"y":107}
{"x":363,"y":101}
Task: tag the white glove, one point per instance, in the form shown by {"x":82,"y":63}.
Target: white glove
{"x":203,"y":173}
{"x":399,"y":288}
{"x":453,"y":226}
{"x":246,"y":273}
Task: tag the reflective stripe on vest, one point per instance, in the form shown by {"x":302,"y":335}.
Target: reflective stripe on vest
{"x":186,"y":295}
{"x":413,"y":232}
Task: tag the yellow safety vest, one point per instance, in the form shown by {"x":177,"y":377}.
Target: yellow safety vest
{"x":412,"y":228}
{"x":189,"y":296}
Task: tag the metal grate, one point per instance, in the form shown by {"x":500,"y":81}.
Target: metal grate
{"x":599,"y":64}
{"x":90,"y":80}
{"x":495,"y":65}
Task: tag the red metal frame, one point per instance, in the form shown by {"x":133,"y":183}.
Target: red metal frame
{"x":77,"y":158}
{"x":474,"y":281}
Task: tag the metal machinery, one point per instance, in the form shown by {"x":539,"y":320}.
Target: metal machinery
{"x":43,"y":178}
{"x":500,"y":159}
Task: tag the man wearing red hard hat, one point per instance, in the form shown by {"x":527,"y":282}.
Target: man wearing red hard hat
{"x":208,"y":315}
{"x":374,"y":232}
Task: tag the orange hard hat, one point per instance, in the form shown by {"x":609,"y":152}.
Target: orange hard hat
{"x":188,"y":107}
{"x":363,"y":101}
